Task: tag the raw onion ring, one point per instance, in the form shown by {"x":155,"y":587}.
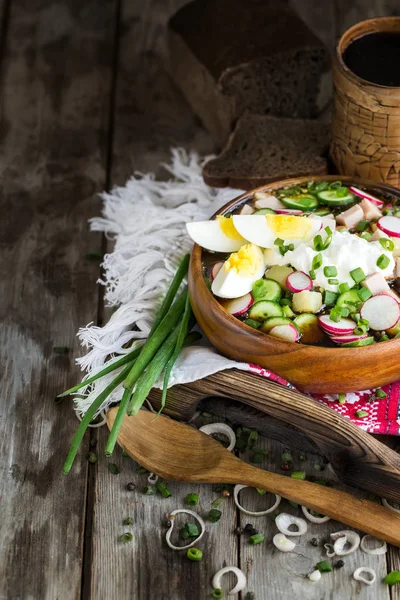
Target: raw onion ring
{"x":222,"y":428}
{"x":386,"y":503}
{"x":341,"y":538}
{"x":240,"y":487}
{"x":241,"y":579}
{"x":281,"y":542}
{"x":313,"y":518}
{"x":358,"y":577}
{"x":374,"y":551}
{"x":169,"y":532}
{"x":284,"y":520}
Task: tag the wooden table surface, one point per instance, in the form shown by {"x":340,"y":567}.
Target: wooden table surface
{"x":85,"y":101}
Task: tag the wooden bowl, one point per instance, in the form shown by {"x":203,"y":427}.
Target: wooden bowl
{"x":310,"y":368}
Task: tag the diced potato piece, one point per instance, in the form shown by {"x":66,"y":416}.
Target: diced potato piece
{"x":279,"y":274}
{"x":270,"y":256}
{"x":351,"y":217}
{"x":377,"y":284}
{"x":327,"y":220}
{"x":307,"y":302}
{"x":378,"y":234}
{"x":264,"y":200}
{"x":246,"y":210}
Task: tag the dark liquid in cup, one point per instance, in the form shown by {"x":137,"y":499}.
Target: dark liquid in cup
{"x":376,"y":58}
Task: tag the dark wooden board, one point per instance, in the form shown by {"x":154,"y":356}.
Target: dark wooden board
{"x":55,"y":91}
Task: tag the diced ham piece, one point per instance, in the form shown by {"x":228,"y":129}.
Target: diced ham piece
{"x":326,"y":220}
{"x":351,"y":217}
{"x":397,"y":268}
{"x":378,"y":234}
{"x":246,"y":210}
{"x":371,"y":211}
{"x":263,"y":200}
{"x":377,"y":284}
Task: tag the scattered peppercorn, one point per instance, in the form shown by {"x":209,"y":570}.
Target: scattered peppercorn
{"x":248,"y":527}
{"x":253,"y":531}
{"x":130,"y":486}
{"x":314,"y":542}
{"x":239,"y":531}
{"x":168,"y":523}
{"x":285,"y":467}
{"x":339,"y":564}
{"x":250,"y":596}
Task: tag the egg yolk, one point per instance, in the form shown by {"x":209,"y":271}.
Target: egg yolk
{"x":227,"y":226}
{"x":246,"y":262}
{"x":289,"y":227}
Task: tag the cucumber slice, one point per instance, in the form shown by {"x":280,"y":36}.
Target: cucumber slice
{"x":363,"y":342}
{"x":322,"y":212}
{"x":287,"y":311}
{"x":331,"y":198}
{"x":300,"y":201}
{"x":263,"y":309}
{"x":264,"y":211}
{"x":349,"y":299}
{"x":267,"y":289}
{"x":253,"y":324}
{"x":311,"y":332}
{"x":274,"y":322}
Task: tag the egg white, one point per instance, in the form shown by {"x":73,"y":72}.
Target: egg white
{"x":209,"y":235}
{"x":230,"y":284}
{"x":255,"y":229}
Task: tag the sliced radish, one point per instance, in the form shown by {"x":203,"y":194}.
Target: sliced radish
{"x":298,"y":282}
{"x":238,"y":306}
{"x":363,"y":194}
{"x":382,"y":312}
{"x":288,"y":333}
{"x":216,"y":269}
{"x":344,"y":339}
{"x":342,"y":327}
{"x":390,"y":225}
{"x":288,"y":211}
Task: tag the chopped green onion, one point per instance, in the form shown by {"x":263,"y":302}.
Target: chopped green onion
{"x":357,"y":275}
{"x":285,"y":302}
{"x":384,"y":338}
{"x":279,"y":242}
{"x":333,"y":281}
{"x":217,"y":593}
{"x":360,"y":414}
{"x":312,"y":274}
{"x":328,"y":230}
{"x":194,"y":554}
{"x":257,"y":538}
{"x":330,"y":271}
{"x":379,"y":393}
{"x":342,"y":398}
{"x":162,"y":489}
{"x":286,"y":457}
{"x":317,"y":261}
{"x":214,"y":515}
{"x":335,"y":315}
{"x":113,"y":468}
{"x":150,"y":490}
{"x":366,"y":235}
{"x":364,"y":294}
{"x":342,"y":191}
{"x":191,"y":529}
{"x":383,"y":261}
{"x":141,"y":470}
{"x":363,"y":225}
{"x":330,"y":298}
{"x":91,"y":457}
{"x":192,"y":499}
{"x":126,"y":537}
{"x":360,"y":329}
{"x":392,"y":578}
{"x":335,"y":184}
{"x":387,"y":244}
{"x":344,"y":287}
{"x":298,"y":475}
{"x":324,"y":566}
{"x":290,"y":247}
{"x":261,"y":491}
{"x":218,"y":501}
{"x":127,"y":521}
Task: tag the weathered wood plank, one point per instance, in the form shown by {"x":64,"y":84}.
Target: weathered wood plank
{"x":54,"y":98}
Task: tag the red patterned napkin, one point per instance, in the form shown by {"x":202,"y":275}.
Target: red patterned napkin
{"x":383,"y":413}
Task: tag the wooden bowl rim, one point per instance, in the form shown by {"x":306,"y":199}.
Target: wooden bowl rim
{"x":364,"y":28}
{"x":196,"y":261}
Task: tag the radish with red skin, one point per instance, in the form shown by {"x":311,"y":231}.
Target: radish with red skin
{"x":342,"y":327}
{"x":216,"y":269}
{"x":382,"y":312}
{"x":390,"y":225}
{"x":287,"y":333}
{"x":344,"y":339}
{"x":288,"y":211}
{"x":298,"y":282}
{"x":238,"y":306}
{"x":362,"y":194}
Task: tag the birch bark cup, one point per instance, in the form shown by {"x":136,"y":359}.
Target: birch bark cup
{"x":366,"y":116}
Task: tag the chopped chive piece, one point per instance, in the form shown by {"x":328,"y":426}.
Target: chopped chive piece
{"x":317,"y":261}
{"x":298,"y":475}
{"x":194,"y":554}
{"x":383,"y":261}
{"x":392,"y":578}
{"x":342,"y":191}
{"x":387,"y":244}
{"x":91,"y":457}
{"x":328,"y":230}
{"x":192,"y":499}
{"x":364,"y":294}
{"x":218,"y":501}
{"x":330,"y":271}
{"x":141,"y":470}
{"x":217,"y":593}
{"x":252,"y":323}
{"x":379,"y":393}
{"x":318,"y":467}
{"x":290,"y":246}
{"x":384,"y":338}
{"x":366,"y":235}
{"x":303,"y":458}
{"x":342,"y":398}
{"x":150,"y":490}
{"x":360,"y":329}
{"x":261,"y":491}
{"x":279,"y":242}
{"x":127,"y":521}
{"x":191,"y":529}
{"x":344,"y":287}
{"x":126,"y":537}
{"x":285,"y":302}
{"x":357,"y":275}
{"x":335,"y":315}
{"x":286,"y":457}
{"x":330,"y":298}
{"x":364,"y":321}
{"x":113,"y":468}
{"x":257,"y":538}
{"x":362,"y":225}
{"x":162,"y":489}
{"x":318,"y":243}
{"x":214,"y":515}
{"x":324,"y":566}
{"x":360,"y":414}
{"x":333,"y":281}
{"x":312,"y":274}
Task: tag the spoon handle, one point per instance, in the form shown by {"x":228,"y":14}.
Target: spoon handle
{"x":368,"y":516}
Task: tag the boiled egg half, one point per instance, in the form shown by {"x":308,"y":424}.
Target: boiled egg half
{"x":218,"y":235}
{"x":238,"y":274}
{"x":263,"y":230}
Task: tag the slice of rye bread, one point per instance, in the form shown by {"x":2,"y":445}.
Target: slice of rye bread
{"x":228,"y":56}
{"x":263,"y":149}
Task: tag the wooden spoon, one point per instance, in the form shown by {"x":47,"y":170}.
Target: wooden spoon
{"x":176,"y":451}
